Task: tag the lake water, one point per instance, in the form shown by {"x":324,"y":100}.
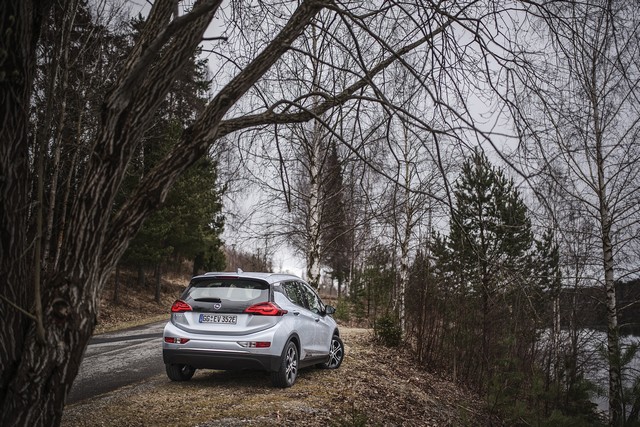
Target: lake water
{"x":595,"y":358}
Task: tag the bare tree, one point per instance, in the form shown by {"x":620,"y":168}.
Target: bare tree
{"x":292,"y":159}
{"x":411,"y":197}
{"x":583,"y":134}
{"x":48,"y":318}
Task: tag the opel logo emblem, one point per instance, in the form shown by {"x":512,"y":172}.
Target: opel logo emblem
{"x":217,"y":306}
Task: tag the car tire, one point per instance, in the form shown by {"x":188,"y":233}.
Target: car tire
{"x":336,"y":354}
{"x":179,"y":372}
{"x":287,"y":373}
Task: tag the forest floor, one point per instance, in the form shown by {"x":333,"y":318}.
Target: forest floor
{"x":375,"y":386}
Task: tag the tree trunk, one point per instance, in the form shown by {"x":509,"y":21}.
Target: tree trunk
{"x":20,"y":22}
{"x":116,"y":286}
{"x":59,"y":66}
{"x":315,"y":220}
{"x":405,"y":236}
{"x":616,"y":410}
{"x":37,"y":373}
{"x":158,"y":282}
{"x":616,"y":417}
{"x":35,"y":384}
{"x":140,"y":277}
{"x":616,"y":413}
{"x":404,"y":280}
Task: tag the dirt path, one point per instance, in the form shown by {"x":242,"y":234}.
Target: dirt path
{"x":374,"y":386}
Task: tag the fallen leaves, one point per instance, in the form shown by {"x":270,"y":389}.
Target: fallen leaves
{"x":375,"y":386}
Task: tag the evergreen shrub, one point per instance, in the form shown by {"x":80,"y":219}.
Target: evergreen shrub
{"x":387,"y":331}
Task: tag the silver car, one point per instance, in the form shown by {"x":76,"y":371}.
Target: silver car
{"x":265,"y":321}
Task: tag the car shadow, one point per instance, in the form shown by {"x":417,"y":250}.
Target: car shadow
{"x":244,"y":378}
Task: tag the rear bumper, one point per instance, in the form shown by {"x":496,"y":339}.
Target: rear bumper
{"x":208,"y":359}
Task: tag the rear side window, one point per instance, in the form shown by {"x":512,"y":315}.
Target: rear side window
{"x":293,"y":292}
{"x":228,"y":289}
{"x":313,"y":301}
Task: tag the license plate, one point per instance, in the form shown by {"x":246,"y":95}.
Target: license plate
{"x":218,"y":318}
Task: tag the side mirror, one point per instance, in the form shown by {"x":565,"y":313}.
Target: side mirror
{"x":329,"y":310}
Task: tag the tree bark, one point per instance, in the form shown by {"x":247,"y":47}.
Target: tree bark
{"x":140,"y":277}
{"x":20,"y":24}
{"x":116,"y":286}
{"x":37,"y":374}
{"x":315,"y":211}
{"x":616,"y":413}
{"x":158,"y":283}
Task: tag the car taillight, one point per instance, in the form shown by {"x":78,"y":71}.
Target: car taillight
{"x":180,"y":306}
{"x":173,"y":340}
{"x":266,"y":309}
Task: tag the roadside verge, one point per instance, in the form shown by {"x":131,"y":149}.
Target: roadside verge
{"x":374,"y":386}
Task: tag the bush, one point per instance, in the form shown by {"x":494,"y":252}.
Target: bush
{"x":343,"y":311}
{"x":387,"y":331}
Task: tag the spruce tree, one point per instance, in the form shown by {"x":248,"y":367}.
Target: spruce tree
{"x":335,"y":235}
{"x":190,"y":223}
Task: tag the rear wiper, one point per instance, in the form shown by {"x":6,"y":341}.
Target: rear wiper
{"x":208,"y":299}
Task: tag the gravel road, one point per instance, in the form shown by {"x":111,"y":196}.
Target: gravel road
{"x":118,"y":359}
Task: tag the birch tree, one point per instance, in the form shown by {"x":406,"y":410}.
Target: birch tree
{"x":585,"y":124}
{"x":411,"y":200}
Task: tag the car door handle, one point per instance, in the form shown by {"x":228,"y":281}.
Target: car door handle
{"x":296,"y":313}
{"x":317,"y":319}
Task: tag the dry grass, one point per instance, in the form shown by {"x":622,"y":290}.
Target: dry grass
{"x":374,"y":386}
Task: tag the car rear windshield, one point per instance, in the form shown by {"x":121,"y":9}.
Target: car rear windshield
{"x":228,"y":289}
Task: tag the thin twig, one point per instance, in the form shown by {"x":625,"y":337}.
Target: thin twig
{"x":20,"y":309}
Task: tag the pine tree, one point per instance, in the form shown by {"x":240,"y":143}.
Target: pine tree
{"x":490,"y":243}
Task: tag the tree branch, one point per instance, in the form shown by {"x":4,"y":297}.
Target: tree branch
{"x":196,"y":140}
{"x":270,"y":117}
